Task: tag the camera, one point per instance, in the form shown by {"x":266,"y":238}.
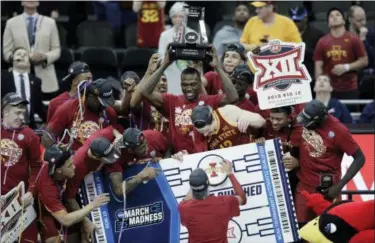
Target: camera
{"x":191,"y":44}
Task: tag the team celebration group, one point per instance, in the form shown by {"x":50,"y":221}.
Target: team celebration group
{"x":85,"y":133}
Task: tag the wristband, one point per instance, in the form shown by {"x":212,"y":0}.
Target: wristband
{"x":347,"y":67}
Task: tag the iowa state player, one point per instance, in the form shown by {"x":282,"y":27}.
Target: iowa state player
{"x":150,"y":22}
{"x":50,"y":189}
{"x":206,"y":217}
{"x":136,"y":147}
{"x":225,"y":127}
{"x":94,"y":113}
{"x":178,"y":108}
{"x":324,"y":142}
{"x":20,"y":155}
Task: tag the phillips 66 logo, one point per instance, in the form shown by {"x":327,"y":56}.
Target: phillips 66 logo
{"x":281,"y":78}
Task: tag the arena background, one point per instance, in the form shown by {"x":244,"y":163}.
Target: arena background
{"x":75,"y":16}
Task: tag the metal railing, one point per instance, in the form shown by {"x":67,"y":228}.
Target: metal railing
{"x":350,"y":193}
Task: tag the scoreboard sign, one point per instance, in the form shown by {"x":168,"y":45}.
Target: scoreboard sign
{"x":151,"y":212}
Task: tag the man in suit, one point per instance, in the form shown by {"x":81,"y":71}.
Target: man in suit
{"x":28,"y":86}
{"x":39,"y":36}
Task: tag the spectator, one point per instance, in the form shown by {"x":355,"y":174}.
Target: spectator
{"x":310,"y":35}
{"x":40,"y":38}
{"x":267,"y":26}
{"x":367,"y":115}
{"x":26,"y":85}
{"x":150,"y":22}
{"x":116,"y":13}
{"x":231,"y":33}
{"x":173,"y":73}
{"x":323,"y":90}
{"x":340,"y":54}
{"x":357,"y":25}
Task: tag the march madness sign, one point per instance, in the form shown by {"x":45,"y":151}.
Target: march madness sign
{"x":281,"y":78}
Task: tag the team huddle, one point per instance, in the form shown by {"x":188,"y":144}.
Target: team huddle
{"x":85,"y":133}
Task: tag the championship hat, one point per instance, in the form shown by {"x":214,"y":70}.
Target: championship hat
{"x":104,"y":91}
{"x":103,"y":148}
{"x":313,"y":112}
{"x":236,"y":47}
{"x":201,"y":116}
{"x":75,"y":69}
{"x":13,"y":99}
{"x":259,"y":4}
{"x":243,"y":71}
{"x":55,"y":157}
{"x":132,"y":138}
{"x":297,"y":13}
{"x":199,"y":182}
{"x":132,"y":75}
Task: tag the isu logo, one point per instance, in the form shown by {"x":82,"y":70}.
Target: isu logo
{"x":234,"y":233}
{"x":212,"y":165}
{"x":279,"y":65}
{"x":10,"y":152}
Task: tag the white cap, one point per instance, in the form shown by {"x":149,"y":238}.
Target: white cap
{"x":177,"y":8}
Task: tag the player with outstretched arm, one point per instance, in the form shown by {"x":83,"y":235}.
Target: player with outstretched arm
{"x":50,"y":189}
{"x":206,"y":216}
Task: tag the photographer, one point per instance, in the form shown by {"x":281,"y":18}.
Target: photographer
{"x":178,"y":108}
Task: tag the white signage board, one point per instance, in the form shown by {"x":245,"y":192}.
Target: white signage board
{"x":15,"y":218}
{"x":269,"y":214}
{"x":281,"y":78}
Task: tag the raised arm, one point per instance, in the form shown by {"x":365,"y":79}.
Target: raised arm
{"x":147,"y":89}
{"x":237,"y":115}
{"x":136,"y":97}
{"x":231,"y":95}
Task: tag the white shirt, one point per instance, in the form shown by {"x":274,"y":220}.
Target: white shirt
{"x":17,"y":83}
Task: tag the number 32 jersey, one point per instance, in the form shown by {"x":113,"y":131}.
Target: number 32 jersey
{"x":150,"y":24}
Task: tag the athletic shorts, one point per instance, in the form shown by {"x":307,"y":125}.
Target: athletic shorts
{"x":30,"y":234}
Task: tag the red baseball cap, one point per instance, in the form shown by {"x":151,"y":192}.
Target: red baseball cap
{"x":259,"y":4}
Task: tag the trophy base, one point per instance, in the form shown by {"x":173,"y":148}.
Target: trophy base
{"x":194,"y":52}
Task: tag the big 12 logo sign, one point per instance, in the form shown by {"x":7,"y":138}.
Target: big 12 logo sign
{"x":281,"y":78}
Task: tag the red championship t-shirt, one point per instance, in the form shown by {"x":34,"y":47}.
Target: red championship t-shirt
{"x":55,"y":103}
{"x":215,"y":86}
{"x":150,"y":24}
{"x":84,"y":165}
{"x":20,"y":158}
{"x":294,"y":135}
{"x":178,"y":111}
{"x":67,"y":116}
{"x":207,"y":220}
{"x":321,"y":151}
{"x":157,"y":145}
{"x":247,"y":105}
{"x":50,"y":192}
{"x":342,"y":50}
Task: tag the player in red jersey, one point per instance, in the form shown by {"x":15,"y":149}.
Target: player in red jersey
{"x":178,"y":108}
{"x":234,"y":56}
{"x":91,"y":157}
{"x":20,"y":155}
{"x":206,"y":217}
{"x":340,"y":54}
{"x":137,"y":147}
{"x":324,"y":142}
{"x":150,"y":22}
{"x":281,"y":124}
{"x":82,"y":117}
{"x":225,"y":127}
{"x":50,"y":189}
{"x":78,"y":72}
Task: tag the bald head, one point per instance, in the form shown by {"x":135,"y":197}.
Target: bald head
{"x":357,"y":17}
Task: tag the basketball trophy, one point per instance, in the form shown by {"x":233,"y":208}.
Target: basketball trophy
{"x":191,"y":44}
